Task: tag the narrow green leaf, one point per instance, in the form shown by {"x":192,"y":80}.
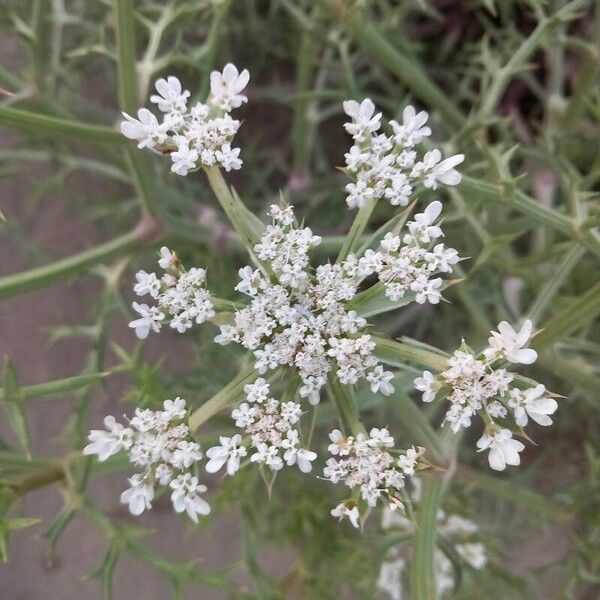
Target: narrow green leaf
{"x":523,"y":203}
{"x":514,"y":493}
{"x":373,"y":300}
{"x":124,"y":19}
{"x":13,"y":405}
{"x":398,"y":353}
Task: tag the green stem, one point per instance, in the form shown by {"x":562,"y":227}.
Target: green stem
{"x":227,"y":396}
{"x":406,"y":68}
{"x":33,"y":279}
{"x":552,"y":286}
{"x":59,"y":386}
{"x":520,"y":57}
{"x":422,"y":570}
{"x":525,"y":204}
{"x":418,"y":425}
{"x":358,"y":227}
{"x":126,"y":55}
{"x":574,"y":316}
{"x":53,"y":126}
{"x":244,"y":222}
{"x":344,"y":401}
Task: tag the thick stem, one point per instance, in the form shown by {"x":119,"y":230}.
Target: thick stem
{"x":422,"y":571}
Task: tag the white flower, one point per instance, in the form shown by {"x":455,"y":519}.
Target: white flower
{"x":390,"y":578}
{"x":413,"y":130}
{"x":380,"y":381}
{"x":408,"y":461}
{"x":229,"y":157}
{"x":106,"y":443}
{"x":509,"y":344}
{"x":145,"y":129}
{"x":532,"y":403}
{"x":184,"y":159}
{"x":150,"y":319}
{"x":474,"y":554}
{"x":181,"y":297}
{"x":168,"y":259}
{"x":339,"y":443}
{"x":225,"y":87}
{"x":147,"y":283}
{"x":139,"y":496}
{"x":347,"y":509}
{"x":364,"y":121}
{"x":170,"y":97}
{"x":230,"y":451}
{"x":503,"y":449}
{"x":434,"y":171}
{"x":185,"y":454}
{"x":185,"y":496}
{"x":426,"y":384}
{"x":267,"y":455}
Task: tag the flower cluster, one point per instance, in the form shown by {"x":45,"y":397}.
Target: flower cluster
{"x":269,"y":424}
{"x":192,"y":136}
{"x":408,"y":264}
{"x":299,"y":318}
{"x":477,"y":384}
{"x":462,"y":533}
{"x":180,"y":295}
{"x":160,"y":443}
{"x":369,"y":464}
{"x":386,"y":166}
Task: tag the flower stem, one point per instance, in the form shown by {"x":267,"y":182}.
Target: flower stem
{"x":228,"y":395}
{"x":343,"y":398}
{"x":422,"y":572}
{"x":358,"y":227}
{"x":245,"y":223}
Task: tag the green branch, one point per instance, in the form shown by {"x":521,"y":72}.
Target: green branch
{"x":406,"y":68}
{"x":40,"y":124}
{"x":227,"y":396}
{"x":38,"y":277}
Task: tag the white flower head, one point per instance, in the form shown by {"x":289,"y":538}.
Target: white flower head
{"x":510,"y":344}
{"x":106,"y":443}
{"x":186,"y":496}
{"x":138,"y":496}
{"x":504,"y":450}
{"x":225,"y":87}
{"x":170,"y":97}
{"x":532,"y":403}
{"x":229,"y":451}
{"x":426,"y":384}
{"x":348,"y":509}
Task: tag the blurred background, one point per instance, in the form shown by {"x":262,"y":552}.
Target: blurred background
{"x":512,"y":84}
